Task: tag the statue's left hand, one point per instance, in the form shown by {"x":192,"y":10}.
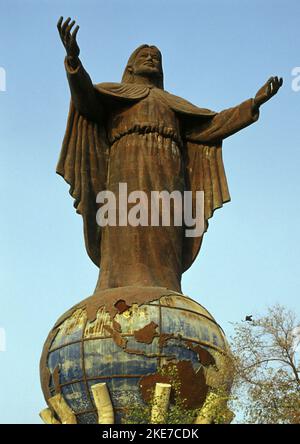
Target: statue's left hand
{"x":269,"y":90}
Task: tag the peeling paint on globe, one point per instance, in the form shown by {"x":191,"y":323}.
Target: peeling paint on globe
{"x":127,"y":347}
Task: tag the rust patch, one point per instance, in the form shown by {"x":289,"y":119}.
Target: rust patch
{"x":121,"y":306}
{"x":45,"y":382}
{"x":133,"y":351}
{"x":147,"y":386}
{"x":116,"y":336}
{"x":205,"y":357}
{"x":164,"y":337}
{"x":146,"y":334}
{"x":193,"y":388}
{"x":117,"y":326}
{"x":110,"y":297}
{"x":91,"y":312}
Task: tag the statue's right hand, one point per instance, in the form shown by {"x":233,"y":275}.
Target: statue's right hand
{"x":68,"y":39}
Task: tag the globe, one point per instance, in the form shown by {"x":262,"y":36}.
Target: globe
{"x":125,"y":344}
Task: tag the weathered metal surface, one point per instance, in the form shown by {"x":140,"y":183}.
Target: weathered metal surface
{"x":147,"y":333}
{"x":117,"y":337}
{"x":116,"y":300}
{"x":80,"y":353}
{"x":192,"y":386}
{"x":204,"y":356}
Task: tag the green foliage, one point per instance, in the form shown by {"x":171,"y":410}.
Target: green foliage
{"x":177,"y":413}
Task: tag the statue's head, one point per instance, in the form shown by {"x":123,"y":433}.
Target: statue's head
{"x":145,"y":61}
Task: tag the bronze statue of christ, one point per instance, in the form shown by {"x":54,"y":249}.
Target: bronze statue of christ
{"x":137,"y":133}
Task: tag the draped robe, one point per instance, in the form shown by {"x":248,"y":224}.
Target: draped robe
{"x":153,"y":141}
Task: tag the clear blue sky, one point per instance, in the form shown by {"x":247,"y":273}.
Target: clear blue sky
{"x":216,"y":53}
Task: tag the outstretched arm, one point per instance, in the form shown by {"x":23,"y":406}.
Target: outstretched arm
{"x":83,"y":92}
{"x":232,"y":120}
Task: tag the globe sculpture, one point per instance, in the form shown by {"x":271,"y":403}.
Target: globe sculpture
{"x":146,"y":173}
{"x":126,"y":347}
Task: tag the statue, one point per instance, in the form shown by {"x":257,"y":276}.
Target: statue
{"x":151,"y":140}
{"x":136,"y":133}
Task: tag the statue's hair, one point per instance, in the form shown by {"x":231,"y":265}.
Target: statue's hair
{"x":128,"y":75}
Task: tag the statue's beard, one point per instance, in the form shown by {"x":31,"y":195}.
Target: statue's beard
{"x":147,"y":71}
{"x":144,"y":74}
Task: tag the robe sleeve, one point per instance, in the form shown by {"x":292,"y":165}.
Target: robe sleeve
{"x":204,"y":164}
{"x":204,"y":171}
{"x":223,"y":124}
{"x":83,"y":160}
{"x":84,"y":95}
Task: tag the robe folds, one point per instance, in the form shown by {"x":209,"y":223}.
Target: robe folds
{"x":153,"y":140}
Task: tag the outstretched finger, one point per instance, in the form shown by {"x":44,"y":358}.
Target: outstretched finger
{"x":74,"y":33}
{"x":70,"y":26}
{"x":68,"y":29}
{"x":279,"y":82}
{"x":65,"y":25}
{"x":59,"y":23}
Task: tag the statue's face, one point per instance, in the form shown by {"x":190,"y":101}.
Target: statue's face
{"x":147,"y":62}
